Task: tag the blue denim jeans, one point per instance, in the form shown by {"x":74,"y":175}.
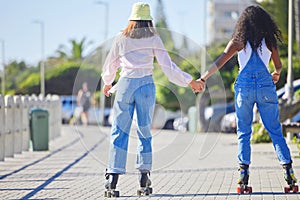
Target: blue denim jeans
{"x":133,"y":94}
{"x":254,"y":85}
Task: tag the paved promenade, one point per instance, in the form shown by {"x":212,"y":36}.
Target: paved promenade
{"x":185,"y":166}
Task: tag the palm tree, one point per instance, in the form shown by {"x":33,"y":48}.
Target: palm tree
{"x":76,"y":51}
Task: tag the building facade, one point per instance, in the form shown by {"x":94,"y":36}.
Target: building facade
{"x":222,"y":17}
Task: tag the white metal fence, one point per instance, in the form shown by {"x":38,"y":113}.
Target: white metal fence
{"x":15,"y":121}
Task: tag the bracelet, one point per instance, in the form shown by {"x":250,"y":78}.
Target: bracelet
{"x":202,"y":80}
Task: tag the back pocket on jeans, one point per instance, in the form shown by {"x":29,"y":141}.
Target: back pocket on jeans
{"x":269,"y":94}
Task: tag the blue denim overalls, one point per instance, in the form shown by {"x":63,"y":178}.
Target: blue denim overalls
{"x":254,"y":84}
{"x":133,"y":94}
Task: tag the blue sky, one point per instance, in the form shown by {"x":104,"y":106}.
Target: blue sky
{"x":75,"y":19}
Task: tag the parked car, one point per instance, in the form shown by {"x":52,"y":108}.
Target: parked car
{"x":228,"y":122}
{"x":68,"y":103}
{"x":70,"y":107}
{"x":94,"y":116}
{"x":162,"y":118}
{"x":281,"y":92}
{"x":214,"y":114}
{"x":181,"y":124}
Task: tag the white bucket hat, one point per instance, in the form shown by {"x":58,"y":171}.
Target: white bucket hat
{"x":140,"y":11}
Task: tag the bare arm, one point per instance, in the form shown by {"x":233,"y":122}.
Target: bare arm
{"x":231,"y":49}
{"x":277,"y":64}
{"x":276,"y":60}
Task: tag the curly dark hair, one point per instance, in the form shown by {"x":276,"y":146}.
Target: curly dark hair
{"x":255,"y":24}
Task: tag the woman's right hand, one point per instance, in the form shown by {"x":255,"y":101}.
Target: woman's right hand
{"x":106,"y":89}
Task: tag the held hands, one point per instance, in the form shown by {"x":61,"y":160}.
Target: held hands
{"x":197,"y":86}
{"x":106,"y":89}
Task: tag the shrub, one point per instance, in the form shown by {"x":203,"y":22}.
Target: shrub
{"x":260,"y":134}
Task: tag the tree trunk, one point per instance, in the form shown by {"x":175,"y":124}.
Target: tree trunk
{"x":297,"y":24}
{"x":288,"y":111}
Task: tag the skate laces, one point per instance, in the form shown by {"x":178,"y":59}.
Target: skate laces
{"x":243,"y":173}
{"x":293,"y":175}
{"x":289,"y":175}
{"x":145,"y":181}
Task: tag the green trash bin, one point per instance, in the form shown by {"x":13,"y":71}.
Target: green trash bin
{"x":39,"y":129}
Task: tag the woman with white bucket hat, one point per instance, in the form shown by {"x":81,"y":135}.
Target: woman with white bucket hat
{"x":134,"y":50}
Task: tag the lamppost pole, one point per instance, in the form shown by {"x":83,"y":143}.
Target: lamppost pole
{"x":42,"y":67}
{"x":106,"y":17}
{"x":203,"y":50}
{"x":290,"y":88}
{"x":102,"y":96}
{"x":3,"y":65}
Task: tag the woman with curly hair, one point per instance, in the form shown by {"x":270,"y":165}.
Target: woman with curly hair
{"x":255,"y":41}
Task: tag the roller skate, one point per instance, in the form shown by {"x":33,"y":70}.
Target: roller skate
{"x":145,"y":184}
{"x":290,"y":179}
{"x":110,"y":185}
{"x":243,"y":180}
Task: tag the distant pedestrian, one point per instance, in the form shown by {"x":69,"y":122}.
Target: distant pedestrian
{"x":255,"y":41}
{"x":84,"y":101}
{"x":134,"y":50}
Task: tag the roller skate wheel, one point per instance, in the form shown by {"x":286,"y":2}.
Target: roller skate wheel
{"x":116,"y":194}
{"x":108,"y":194}
{"x":139,"y":192}
{"x":295,"y":189}
{"x":287,"y":189}
{"x":240,"y":190}
{"x":249,"y":190}
{"x":151,"y":190}
{"x":146,"y":192}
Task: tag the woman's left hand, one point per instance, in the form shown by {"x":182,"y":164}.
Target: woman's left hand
{"x":275,"y":77}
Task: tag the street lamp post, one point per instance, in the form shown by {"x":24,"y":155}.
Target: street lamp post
{"x":290,"y":88}
{"x":203,"y":51}
{"x":3,"y":65}
{"x":42,"y":67}
{"x":102,"y":96}
{"x":106,"y":16}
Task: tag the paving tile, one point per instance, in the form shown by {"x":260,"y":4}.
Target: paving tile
{"x":185,"y":166}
